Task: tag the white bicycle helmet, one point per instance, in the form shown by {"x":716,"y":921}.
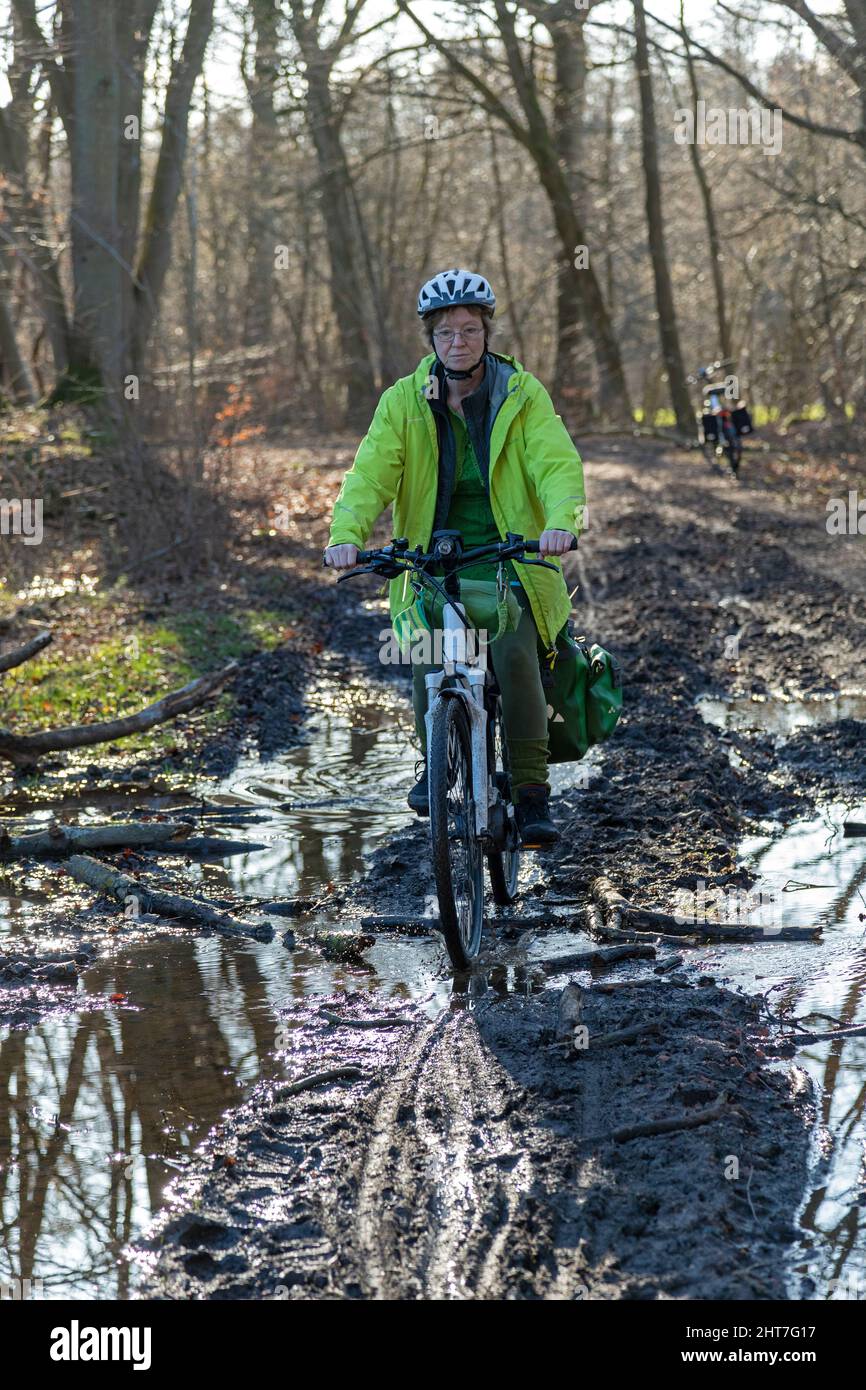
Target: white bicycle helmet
{"x":450,"y":288}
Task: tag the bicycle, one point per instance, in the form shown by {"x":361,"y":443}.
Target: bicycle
{"x":471,"y":813}
{"x":722,"y":426}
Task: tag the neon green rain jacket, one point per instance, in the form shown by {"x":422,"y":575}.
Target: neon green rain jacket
{"x":536,"y":481}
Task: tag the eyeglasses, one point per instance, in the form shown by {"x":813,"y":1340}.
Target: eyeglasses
{"x":445,"y":335}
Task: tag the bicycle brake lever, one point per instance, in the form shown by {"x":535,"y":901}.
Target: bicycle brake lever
{"x":544,"y":563}
{"x":364,"y":569}
{"x":380,"y":567}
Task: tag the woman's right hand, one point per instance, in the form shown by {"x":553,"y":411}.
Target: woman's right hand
{"x":341,"y":557}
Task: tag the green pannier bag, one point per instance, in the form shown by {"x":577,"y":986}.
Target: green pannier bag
{"x":584,"y":696}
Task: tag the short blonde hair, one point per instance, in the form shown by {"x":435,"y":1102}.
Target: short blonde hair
{"x":430,"y":322}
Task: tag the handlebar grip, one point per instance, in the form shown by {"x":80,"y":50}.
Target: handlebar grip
{"x":532,"y":546}
{"x":362,"y":557}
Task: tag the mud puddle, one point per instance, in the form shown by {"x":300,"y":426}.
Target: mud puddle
{"x":107,"y":1100}
{"x":809,"y":874}
{"x":780,"y":715}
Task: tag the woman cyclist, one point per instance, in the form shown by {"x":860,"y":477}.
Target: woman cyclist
{"x":470,"y":442}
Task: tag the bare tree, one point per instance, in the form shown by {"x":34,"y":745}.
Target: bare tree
{"x":847,"y":50}
{"x":155,"y":246}
{"x":261,"y":84}
{"x":95,"y":71}
{"x":667,"y":319}
{"x":573,"y":243}
{"x":715,"y":245}
{"x":25,"y":231}
{"x":348,"y":279}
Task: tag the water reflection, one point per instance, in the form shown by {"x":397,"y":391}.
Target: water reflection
{"x":816,"y":876}
{"x":778,"y":714}
{"x":102,"y":1107}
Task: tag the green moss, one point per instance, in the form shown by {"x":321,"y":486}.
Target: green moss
{"x":132,"y":670}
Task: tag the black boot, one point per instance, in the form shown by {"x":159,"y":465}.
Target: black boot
{"x":419,"y":796}
{"x":533,"y":817}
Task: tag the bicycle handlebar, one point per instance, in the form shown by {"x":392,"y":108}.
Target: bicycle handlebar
{"x":397,"y":557}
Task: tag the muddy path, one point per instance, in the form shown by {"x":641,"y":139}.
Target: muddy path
{"x":473,"y":1157}
{"x":473,"y":1163}
{"x":469,"y":1157}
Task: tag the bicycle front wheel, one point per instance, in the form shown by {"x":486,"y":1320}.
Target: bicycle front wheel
{"x":458,"y":867}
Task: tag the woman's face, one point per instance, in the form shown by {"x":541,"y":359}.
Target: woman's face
{"x":466,"y":348}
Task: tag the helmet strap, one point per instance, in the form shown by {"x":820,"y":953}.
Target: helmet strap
{"x":454,"y":375}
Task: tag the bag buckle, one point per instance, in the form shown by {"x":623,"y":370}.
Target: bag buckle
{"x":548,"y":663}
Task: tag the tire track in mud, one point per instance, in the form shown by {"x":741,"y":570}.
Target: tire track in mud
{"x":445,"y":1106}
{"x":459,"y":1166}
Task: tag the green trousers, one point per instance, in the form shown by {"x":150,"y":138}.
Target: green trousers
{"x":514,"y":657}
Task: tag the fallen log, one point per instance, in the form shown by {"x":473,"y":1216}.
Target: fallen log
{"x":319,"y":1078}
{"x":588,"y":960}
{"x":19,"y":655}
{"x":568,"y":1011}
{"x":835,"y":1035}
{"x":621,"y":914}
{"x":668,"y":1125}
{"x":618,"y":911}
{"x":615,"y":986}
{"x":594,"y":927}
{"x":766,"y":934}
{"x":671,"y":963}
{"x":59,"y":840}
{"x":204,"y":846}
{"x":608,"y":897}
{"x":637,"y":1030}
{"x":22,"y":750}
{"x":287,"y":907}
{"x":122,"y":888}
{"x":852,"y":829}
{"x":342,"y":1022}
{"x":201,"y":811}
{"x":19,"y":969}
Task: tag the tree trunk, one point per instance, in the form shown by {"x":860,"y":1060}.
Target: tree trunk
{"x":134,"y":25}
{"x":95,"y":355}
{"x":346,"y":280}
{"x":668,"y":331}
{"x":572,"y":382}
{"x":28,"y":232}
{"x":156,"y":249}
{"x":607,"y":191}
{"x":16,"y":376}
{"x":612,"y":394}
{"x":716,"y":258}
{"x":30,"y":237}
{"x":263,"y":164}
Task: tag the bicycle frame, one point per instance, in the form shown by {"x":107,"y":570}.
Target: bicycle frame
{"x":472,"y":676}
{"x":454,"y":637}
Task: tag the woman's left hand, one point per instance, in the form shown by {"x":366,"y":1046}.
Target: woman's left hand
{"x":555,"y":542}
